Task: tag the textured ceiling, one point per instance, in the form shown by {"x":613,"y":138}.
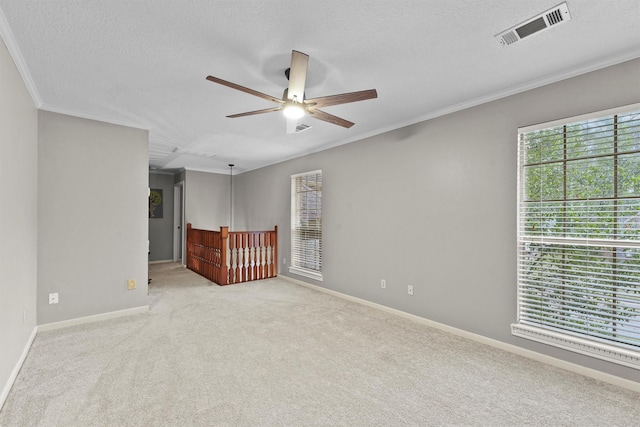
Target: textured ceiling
{"x":143,"y":63}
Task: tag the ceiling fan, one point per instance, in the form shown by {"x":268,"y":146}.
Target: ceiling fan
{"x":293,"y":103}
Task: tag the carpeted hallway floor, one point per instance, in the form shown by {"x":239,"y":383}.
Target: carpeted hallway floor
{"x":272,"y":353}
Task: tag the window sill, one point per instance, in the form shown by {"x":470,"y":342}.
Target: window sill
{"x":596,"y":349}
{"x":306,"y":273}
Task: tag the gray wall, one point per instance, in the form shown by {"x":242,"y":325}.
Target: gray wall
{"x":434,"y":205}
{"x":18,"y":216}
{"x":92,"y":216}
{"x":206,"y":200}
{"x":161,"y":229}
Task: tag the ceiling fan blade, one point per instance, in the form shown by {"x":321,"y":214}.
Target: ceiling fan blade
{"x":326,"y":117}
{"x":251,"y":113}
{"x":245,"y":89}
{"x":343,"y":98}
{"x":297,"y":75}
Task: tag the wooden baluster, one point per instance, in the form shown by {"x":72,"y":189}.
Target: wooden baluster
{"x":232,"y":244}
{"x":205,"y":254}
{"x":240,"y":259}
{"x":230,"y":261}
{"x":253,"y":256}
{"x":247,"y":257}
{"x":262,"y":255}
{"x":218,"y":271}
{"x":224,"y":243}
{"x":256,"y":256}
{"x":234,"y":255}
{"x":212,"y":255}
{"x":265,"y":256}
{"x":245,"y":263}
{"x":269,"y":254}
{"x":215,"y":272}
{"x":236,"y":274}
{"x":239,"y":252}
{"x":257,"y":259}
{"x":247,"y":252}
{"x":196,"y":251}
{"x":265,"y":245}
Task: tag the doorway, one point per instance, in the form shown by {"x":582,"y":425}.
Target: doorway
{"x":178,"y":222}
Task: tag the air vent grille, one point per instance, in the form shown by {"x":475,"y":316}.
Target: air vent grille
{"x":543,"y":21}
{"x":555,"y":17}
{"x":302,"y":127}
{"x":531,"y":28}
{"x":510,"y":37}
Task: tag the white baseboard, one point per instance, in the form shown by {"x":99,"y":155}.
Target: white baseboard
{"x":162,"y":261}
{"x":530,"y":354}
{"x":93,"y":318}
{"x":16,"y":369}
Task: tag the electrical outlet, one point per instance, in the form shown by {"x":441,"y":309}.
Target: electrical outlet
{"x":383,"y":283}
{"x":284,"y":261}
{"x":24,"y":315}
{"x":410,"y":289}
{"x":53,"y":298}
{"x":131,"y":284}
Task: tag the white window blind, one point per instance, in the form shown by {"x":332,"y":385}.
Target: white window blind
{"x":579,"y":235}
{"x":306,"y":224}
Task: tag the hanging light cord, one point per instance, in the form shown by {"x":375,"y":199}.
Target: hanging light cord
{"x":231,"y":165}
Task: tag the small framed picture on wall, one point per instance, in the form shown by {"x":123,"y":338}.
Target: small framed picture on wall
{"x":155,"y":203}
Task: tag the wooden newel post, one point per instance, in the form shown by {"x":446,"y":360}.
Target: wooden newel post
{"x":275,"y":251}
{"x":224,"y":244}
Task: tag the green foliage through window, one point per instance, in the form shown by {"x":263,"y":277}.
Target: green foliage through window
{"x":579,"y":229}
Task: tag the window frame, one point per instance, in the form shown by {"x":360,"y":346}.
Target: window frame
{"x":580,"y":342}
{"x":298,"y":258}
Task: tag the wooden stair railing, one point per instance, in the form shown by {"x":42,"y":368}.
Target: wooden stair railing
{"x":226,"y":257}
{"x":253,"y":255}
{"x":207,"y":253}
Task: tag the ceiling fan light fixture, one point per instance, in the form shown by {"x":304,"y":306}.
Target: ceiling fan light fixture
{"x":293,"y":103}
{"x":293,"y":110}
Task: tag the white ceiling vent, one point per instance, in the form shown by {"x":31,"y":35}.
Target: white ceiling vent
{"x":302,"y":127}
{"x":554,"y":16}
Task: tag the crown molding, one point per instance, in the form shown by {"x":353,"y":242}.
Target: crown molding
{"x":534,"y":84}
{"x":18,"y":59}
{"x":98,"y":118}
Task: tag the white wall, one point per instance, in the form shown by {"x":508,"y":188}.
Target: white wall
{"x":434,"y":205}
{"x":18,"y":218}
{"x":206,"y":200}
{"x":92,"y":216}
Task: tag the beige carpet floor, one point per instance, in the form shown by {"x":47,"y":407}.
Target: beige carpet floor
{"x":272,"y":353}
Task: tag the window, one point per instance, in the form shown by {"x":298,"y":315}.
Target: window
{"x":306,"y":224}
{"x":579,"y":235}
